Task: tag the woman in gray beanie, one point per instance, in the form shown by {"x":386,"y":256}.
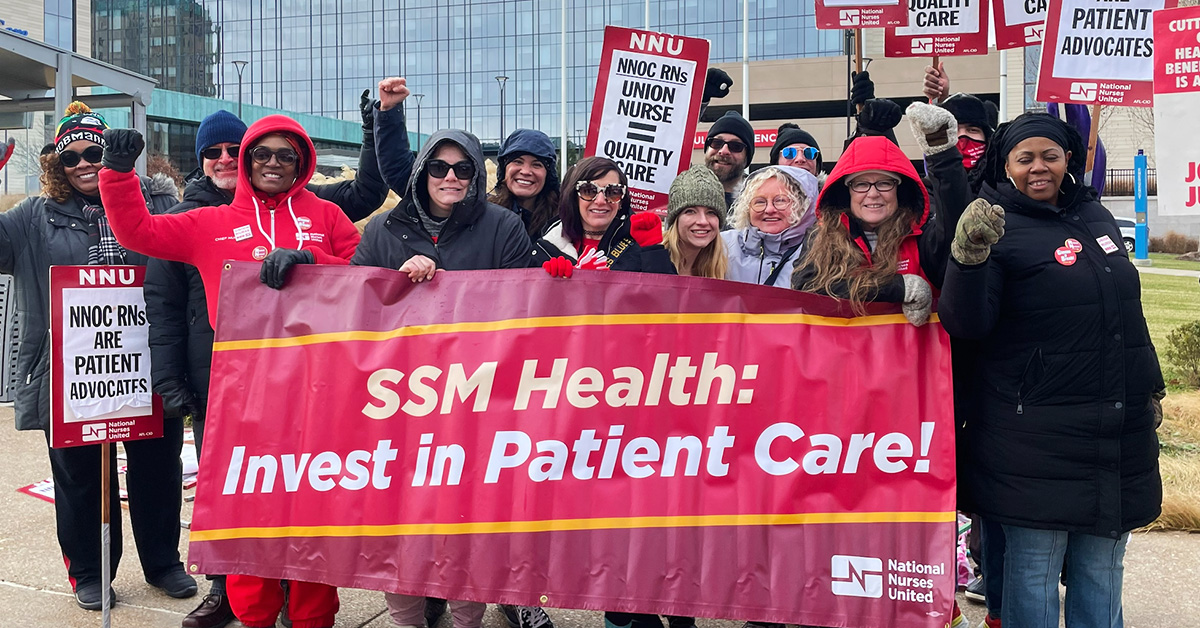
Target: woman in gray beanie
{"x":770,"y":219}
{"x":695,"y":217}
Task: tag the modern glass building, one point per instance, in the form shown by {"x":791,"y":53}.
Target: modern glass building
{"x":316,"y":56}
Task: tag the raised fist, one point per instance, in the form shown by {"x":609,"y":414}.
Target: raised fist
{"x":121,"y":149}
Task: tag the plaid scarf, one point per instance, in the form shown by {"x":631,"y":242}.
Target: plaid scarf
{"x":103,"y":248}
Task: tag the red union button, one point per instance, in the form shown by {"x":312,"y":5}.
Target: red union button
{"x":1073,"y":244}
{"x":1065,"y":256}
{"x":260,"y":253}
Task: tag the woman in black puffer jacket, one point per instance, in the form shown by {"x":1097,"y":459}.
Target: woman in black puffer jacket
{"x":1062,"y":441}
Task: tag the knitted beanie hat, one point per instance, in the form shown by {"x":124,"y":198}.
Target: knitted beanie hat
{"x":79,"y":123}
{"x":733,"y":122}
{"x":790,"y":134}
{"x":217,"y":128}
{"x":696,"y":187}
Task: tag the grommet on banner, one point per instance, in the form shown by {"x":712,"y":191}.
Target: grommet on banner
{"x":545,"y":599}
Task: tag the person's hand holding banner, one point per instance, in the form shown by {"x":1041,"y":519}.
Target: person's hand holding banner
{"x":937,"y":83}
{"x":918,"y":300}
{"x":558,"y":267}
{"x":419,"y":268}
{"x":862,"y":88}
{"x":279,"y":263}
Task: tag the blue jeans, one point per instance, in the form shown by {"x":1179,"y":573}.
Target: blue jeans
{"x":991,"y":564}
{"x":1033,"y":560}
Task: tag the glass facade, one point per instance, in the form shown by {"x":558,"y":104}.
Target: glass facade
{"x":58,"y":29}
{"x":172,"y":41}
{"x":317,"y":56}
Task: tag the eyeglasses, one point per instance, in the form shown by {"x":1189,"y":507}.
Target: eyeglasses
{"x":588,"y":191}
{"x":438,"y":169}
{"x":214,"y":152}
{"x":883,"y":185}
{"x":781,"y":202}
{"x":262,"y":155}
{"x":717,"y":143}
{"x":70,"y":158}
{"x":809,"y":152}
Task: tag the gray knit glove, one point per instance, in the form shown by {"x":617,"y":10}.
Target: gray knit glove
{"x":981,"y":226}
{"x":935,"y":128}
{"x":918,"y":300}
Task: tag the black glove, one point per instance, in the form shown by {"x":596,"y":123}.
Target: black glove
{"x":366,"y":106}
{"x":279,"y":263}
{"x":178,"y":398}
{"x":879,"y":115}
{"x":862,"y":88}
{"x":121,"y":149}
{"x":716,"y":84}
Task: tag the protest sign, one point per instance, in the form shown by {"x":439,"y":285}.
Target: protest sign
{"x":764,"y":138}
{"x":1099,"y":52}
{"x":646,"y":106}
{"x":401,"y":439}
{"x":100,"y":357}
{"x":838,"y":14}
{"x":1176,"y":100}
{"x":1019,"y":23}
{"x":940,"y":27}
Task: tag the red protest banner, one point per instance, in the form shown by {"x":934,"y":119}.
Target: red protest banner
{"x":1019,"y":23}
{"x":1097,"y":52}
{"x":774,"y":458}
{"x":764,"y":138}
{"x":100,"y":357}
{"x":940,"y":27}
{"x":647,"y":102}
{"x":1176,"y":98}
{"x":839,"y":14}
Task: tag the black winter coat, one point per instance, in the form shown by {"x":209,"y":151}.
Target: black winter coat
{"x":181,"y":338}
{"x":624,"y":253}
{"x":1061,"y":432}
{"x":36,"y":234}
{"x":477,"y":235}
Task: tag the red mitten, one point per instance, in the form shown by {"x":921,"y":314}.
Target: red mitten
{"x":8,"y":151}
{"x":646,"y":228}
{"x":559,"y":267}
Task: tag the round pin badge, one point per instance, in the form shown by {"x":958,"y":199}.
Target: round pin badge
{"x":1064,"y":256}
{"x":1073,"y":244}
{"x":260,"y":253}
{"x":305,"y":223}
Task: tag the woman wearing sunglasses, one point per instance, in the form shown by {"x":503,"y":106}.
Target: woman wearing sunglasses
{"x":871,"y":241}
{"x":273,"y":218}
{"x":66,"y":225}
{"x":770,"y":219}
{"x":596,"y":228}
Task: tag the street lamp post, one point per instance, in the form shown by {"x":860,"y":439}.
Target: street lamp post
{"x":418,"y":97}
{"x":240,"y":65}
{"x":501,"y":80}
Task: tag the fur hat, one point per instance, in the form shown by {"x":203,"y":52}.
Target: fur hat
{"x":696,"y":187}
{"x":217,"y":128}
{"x":733,"y":122}
{"x":79,"y":123}
{"x":792,"y":134}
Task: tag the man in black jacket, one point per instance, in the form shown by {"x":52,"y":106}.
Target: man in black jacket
{"x":180,"y":336}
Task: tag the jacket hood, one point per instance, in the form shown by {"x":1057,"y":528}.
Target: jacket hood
{"x":530,"y":142}
{"x":873,"y":153}
{"x":471,"y":207}
{"x":262,"y":128}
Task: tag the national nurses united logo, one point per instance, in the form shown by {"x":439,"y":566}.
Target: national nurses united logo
{"x":901,"y":581}
{"x":857,"y":576}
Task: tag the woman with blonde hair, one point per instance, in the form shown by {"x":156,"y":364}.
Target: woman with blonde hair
{"x":695,"y":217}
{"x":770,"y":218}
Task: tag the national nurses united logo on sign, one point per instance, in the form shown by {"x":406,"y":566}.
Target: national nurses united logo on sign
{"x":857,"y":576}
{"x":900,"y":581}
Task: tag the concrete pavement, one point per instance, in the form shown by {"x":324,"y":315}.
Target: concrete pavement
{"x":1161,"y":581}
{"x":1175,"y":272}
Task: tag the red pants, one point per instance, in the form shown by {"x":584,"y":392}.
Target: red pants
{"x":257,"y":601}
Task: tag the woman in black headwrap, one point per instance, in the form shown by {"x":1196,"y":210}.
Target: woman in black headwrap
{"x":1062,"y":445}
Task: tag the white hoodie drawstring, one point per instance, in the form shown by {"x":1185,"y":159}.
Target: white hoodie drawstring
{"x":271,"y":238}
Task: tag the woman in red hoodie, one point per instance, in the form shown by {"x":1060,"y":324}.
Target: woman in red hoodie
{"x":875,"y":239}
{"x":272,"y":219}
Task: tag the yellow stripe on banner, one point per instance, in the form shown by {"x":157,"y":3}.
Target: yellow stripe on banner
{"x":544,"y":322}
{"x":562,"y":525}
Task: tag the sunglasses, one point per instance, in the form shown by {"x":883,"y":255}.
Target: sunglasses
{"x":214,"y":152}
{"x":70,"y":158}
{"x":717,"y":143}
{"x":883,"y":185}
{"x":262,"y":155}
{"x":809,"y":153}
{"x":438,"y":169}
{"x":588,"y":191}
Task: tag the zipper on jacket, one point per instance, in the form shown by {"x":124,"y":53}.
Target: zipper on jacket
{"x":1037,"y":354}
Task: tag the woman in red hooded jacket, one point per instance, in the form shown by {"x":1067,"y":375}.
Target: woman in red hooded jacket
{"x":875,"y":239}
{"x":272,"y":219}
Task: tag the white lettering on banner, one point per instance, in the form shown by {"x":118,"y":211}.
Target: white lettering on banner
{"x":940,"y":17}
{"x":105,"y":345}
{"x":258,"y":473}
{"x":1097,"y":40}
{"x":645,"y":116}
{"x":863,"y":576}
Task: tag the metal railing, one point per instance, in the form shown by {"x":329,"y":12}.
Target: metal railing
{"x":1119,"y":182}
